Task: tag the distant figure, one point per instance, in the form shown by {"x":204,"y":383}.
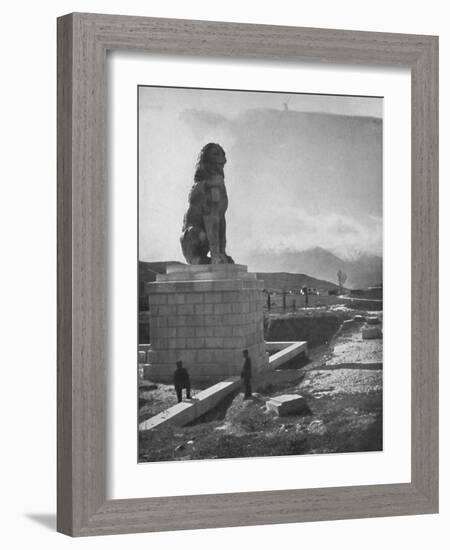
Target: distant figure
{"x":181,"y":380}
{"x":268,"y":300}
{"x":305,"y":294}
{"x":246,"y":374}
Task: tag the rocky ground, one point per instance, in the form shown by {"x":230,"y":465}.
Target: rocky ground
{"x":342,"y":384}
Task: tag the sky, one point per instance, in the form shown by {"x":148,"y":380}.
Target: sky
{"x":302,"y":170}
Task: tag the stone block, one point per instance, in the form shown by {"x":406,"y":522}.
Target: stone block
{"x":167,"y":332}
{"x":186,"y":309}
{"x":288,"y":404}
{"x":213,"y":297}
{"x":177,"y":343}
{"x":195,"y":320}
{"x":285,"y":352}
{"x":373,"y":320}
{"x":215,"y":342}
{"x":204,"y":309}
{"x":156,"y":322}
{"x":223,"y":331}
{"x":187,"y":332}
{"x":164,"y":311}
{"x":195,"y":298}
{"x":213,"y":320}
{"x":371,"y":333}
{"x":232,"y":319}
{"x":172,"y":299}
{"x":231,"y":297}
{"x":158,"y":299}
{"x":227,"y":270}
{"x":219,"y":309}
{"x":195,"y":343}
{"x":206,"y":331}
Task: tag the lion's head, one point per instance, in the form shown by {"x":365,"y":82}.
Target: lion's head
{"x":211,"y":160}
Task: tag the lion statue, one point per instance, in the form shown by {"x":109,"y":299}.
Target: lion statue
{"x":204,"y":225}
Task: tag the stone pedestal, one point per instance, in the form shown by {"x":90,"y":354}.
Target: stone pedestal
{"x":205,"y":316}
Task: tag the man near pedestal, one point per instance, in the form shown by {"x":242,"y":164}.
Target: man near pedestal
{"x":181,"y":380}
{"x":246,"y":374}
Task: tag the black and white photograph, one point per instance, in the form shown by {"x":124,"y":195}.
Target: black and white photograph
{"x":221,"y":284}
{"x":260,"y":265}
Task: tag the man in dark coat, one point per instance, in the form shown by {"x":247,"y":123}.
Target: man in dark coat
{"x":246,"y":374}
{"x":181,"y":380}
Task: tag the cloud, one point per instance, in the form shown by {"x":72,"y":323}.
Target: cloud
{"x":206,"y":118}
{"x":295,"y":180}
{"x":297,"y":229}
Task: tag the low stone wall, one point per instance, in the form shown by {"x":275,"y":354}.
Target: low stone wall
{"x":285,"y":351}
{"x":315,"y":329}
{"x":187,"y":411}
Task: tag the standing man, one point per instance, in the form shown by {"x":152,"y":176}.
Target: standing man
{"x":305,"y":294}
{"x":246,"y":374}
{"x":181,"y":380}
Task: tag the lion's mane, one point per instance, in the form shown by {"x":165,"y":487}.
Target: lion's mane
{"x":206,"y":166}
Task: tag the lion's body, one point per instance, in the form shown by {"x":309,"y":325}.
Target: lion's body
{"x":204,"y":227}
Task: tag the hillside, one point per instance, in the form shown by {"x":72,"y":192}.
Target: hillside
{"x":291,"y":281}
{"x":363,"y":271}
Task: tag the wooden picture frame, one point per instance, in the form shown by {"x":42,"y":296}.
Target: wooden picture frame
{"x":83,"y":40}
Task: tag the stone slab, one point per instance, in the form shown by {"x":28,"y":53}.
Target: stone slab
{"x":202,"y":276}
{"x":187,"y":411}
{"x":206,"y":268}
{"x":371,"y":333}
{"x":287,"y":404}
{"x":287,"y":351}
{"x":226,"y":285}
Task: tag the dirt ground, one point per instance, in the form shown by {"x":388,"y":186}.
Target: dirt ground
{"x":341,"y":382}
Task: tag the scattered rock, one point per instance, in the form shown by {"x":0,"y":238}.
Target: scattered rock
{"x":359,"y":318}
{"x":288,"y":404}
{"x":317,"y":427}
{"x":285,"y":427}
{"x":226,"y":426}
